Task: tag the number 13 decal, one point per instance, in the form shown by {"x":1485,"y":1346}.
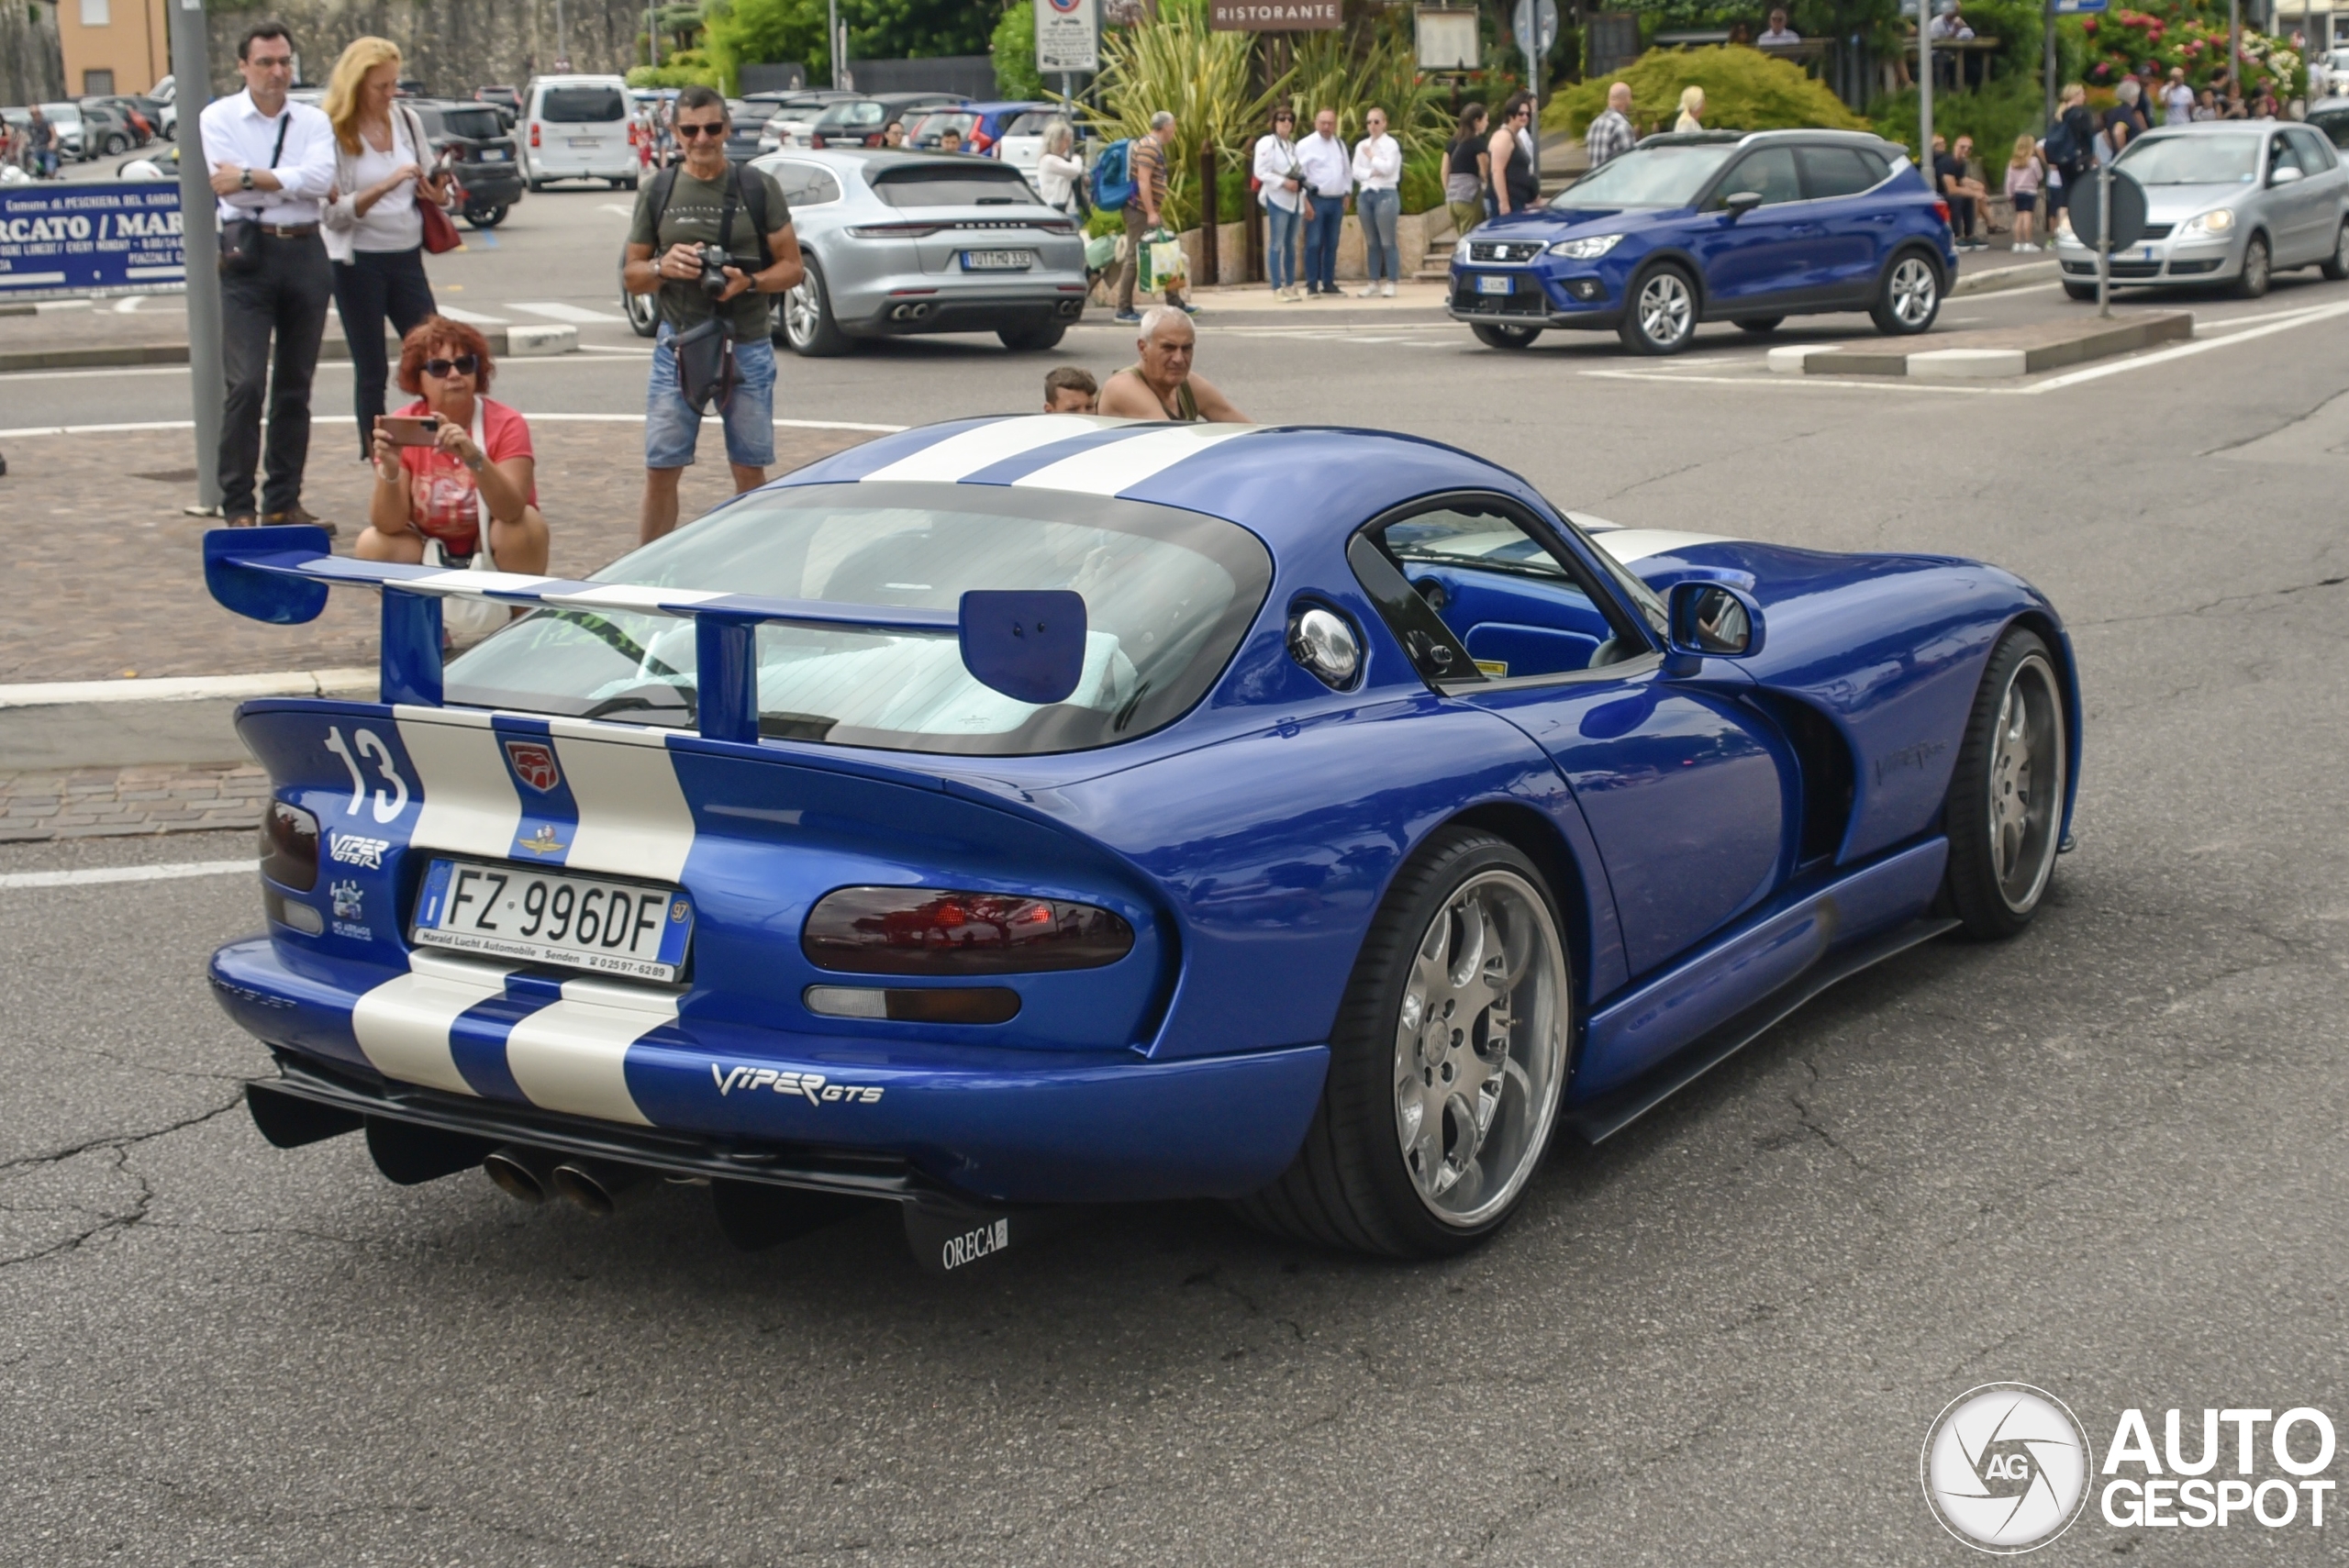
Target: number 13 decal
{"x":386,"y":805}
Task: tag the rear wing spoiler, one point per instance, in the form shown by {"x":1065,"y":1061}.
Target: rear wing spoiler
{"x":1027,"y":644}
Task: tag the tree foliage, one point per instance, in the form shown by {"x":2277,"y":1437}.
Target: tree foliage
{"x":1014,"y":48}
{"x":1744,"y":90}
{"x":757,"y":31}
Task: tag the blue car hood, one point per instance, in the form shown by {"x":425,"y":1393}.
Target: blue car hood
{"x":1565,"y":222}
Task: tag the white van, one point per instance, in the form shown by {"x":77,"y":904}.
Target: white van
{"x":575,"y":127}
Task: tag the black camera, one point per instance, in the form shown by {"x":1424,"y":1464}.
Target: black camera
{"x":714,"y":262}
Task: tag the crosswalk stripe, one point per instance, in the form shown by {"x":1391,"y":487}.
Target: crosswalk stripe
{"x":555,"y":310}
{"x":472,"y":319}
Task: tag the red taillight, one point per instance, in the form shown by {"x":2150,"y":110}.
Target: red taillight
{"x":927,"y":930}
{"x":534,"y":133}
{"x":873,"y":141}
{"x":1941,"y":210}
{"x":289,"y":847}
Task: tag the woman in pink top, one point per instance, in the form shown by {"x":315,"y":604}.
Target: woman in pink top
{"x":479,"y":477}
{"x":2025,"y":175}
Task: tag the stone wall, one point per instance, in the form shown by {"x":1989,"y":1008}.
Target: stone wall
{"x":32,"y":63}
{"x":452,"y":46}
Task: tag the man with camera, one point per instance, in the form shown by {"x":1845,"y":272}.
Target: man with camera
{"x":714,"y":242}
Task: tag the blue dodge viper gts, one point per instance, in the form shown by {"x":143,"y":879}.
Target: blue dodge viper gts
{"x":1714,"y":226}
{"x":1015,"y":814}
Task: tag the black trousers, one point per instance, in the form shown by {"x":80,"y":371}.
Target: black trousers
{"x":370,"y":287}
{"x":284,"y":299}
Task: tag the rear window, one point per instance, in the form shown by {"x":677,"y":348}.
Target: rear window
{"x":953,"y":185}
{"x":852,"y":115}
{"x":479,"y":124}
{"x":935,"y":123}
{"x":2334,"y":123}
{"x":804,"y":184}
{"x":1168,"y":596}
{"x":1033,"y":123}
{"x":571,"y":105}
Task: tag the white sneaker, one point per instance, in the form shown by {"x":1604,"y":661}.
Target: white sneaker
{"x":1366,"y":291}
{"x":1388,"y":291}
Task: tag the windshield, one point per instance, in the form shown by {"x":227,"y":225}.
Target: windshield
{"x":476,"y":125}
{"x":1649,"y":176}
{"x":1168,"y":596}
{"x":852,"y":114}
{"x":953,"y":184}
{"x":2193,"y":159}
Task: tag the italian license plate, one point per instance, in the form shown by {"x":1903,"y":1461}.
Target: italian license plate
{"x":553,"y":917}
{"x":1494,"y":283}
{"x":492,"y":155}
{"x":586,"y":141}
{"x":997,"y":260}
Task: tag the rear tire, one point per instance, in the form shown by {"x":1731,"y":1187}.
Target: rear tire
{"x":1446,"y":1063}
{"x":1033,"y":339}
{"x":1494,"y":336}
{"x":1661,"y":317}
{"x":485,"y":217}
{"x":1908,"y":297}
{"x":2258,"y":267}
{"x":2005,"y":810}
{"x":808,"y":323}
{"x":2336,"y":266}
{"x":1761,"y":325}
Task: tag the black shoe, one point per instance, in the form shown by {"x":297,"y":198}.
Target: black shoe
{"x":300,"y":515}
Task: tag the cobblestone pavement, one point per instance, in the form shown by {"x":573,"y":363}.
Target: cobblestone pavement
{"x":106,"y":578}
{"x":104,"y":803}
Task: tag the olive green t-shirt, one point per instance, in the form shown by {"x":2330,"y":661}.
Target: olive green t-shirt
{"x":695,"y":212}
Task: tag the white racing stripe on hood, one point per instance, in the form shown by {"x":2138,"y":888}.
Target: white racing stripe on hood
{"x":633,"y":819}
{"x":967,"y":452}
{"x":470,"y":804}
{"x":1118,"y":466}
{"x":571,"y":1056}
{"x":403,"y":1025}
{"x":1627,"y":545}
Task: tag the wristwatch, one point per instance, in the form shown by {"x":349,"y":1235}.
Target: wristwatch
{"x":246,"y":176}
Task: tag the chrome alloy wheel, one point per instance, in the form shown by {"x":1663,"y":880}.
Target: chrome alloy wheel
{"x":1480,"y":1048}
{"x":1667,"y":309}
{"x":2027,"y":777}
{"x":801,"y":314}
{"x":1913,"y":291}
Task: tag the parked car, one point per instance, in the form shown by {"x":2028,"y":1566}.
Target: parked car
{"x":483,"y":153}
{"x":1048,"y":810}
{"x":1714,"y":226}
{"x":744,"y":127}
{"x":981,"y":126}
{"x":2227,"y":203}
{"x":142,"y":116}
{"x":1021,"y":144}
{"x":71,"y":145}
{"x":866,"y":122}
{"x":506,"y":100}
{"x":786,"y":117}
{"x":107,"y":130}
{"x":578,"y":130}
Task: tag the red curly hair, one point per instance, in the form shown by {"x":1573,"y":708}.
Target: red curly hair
{"x":453,"y":336}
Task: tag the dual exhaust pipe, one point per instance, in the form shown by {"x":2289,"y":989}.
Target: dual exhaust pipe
{"x":533,"y":1176}
{"x":911,"y":312}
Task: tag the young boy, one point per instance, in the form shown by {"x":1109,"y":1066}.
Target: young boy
{"x":1070,"y":390}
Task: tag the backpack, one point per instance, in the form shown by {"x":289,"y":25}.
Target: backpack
{"x":1113,"y":177}
{"x":2062,"y":147}
{"x":754,"y":200}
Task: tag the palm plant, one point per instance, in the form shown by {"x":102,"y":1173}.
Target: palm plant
{"x":1200,"y":76}
{"x":1354,"y":73}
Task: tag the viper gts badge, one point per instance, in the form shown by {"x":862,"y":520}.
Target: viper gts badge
{"x":534,"y":764}
{"x":811,"y":1084}
{"x":543,"y":842}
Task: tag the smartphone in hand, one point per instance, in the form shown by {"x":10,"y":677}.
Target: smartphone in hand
{"x":411,"y":430}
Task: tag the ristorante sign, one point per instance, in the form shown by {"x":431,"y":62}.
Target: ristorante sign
{"x":1273,"y":16}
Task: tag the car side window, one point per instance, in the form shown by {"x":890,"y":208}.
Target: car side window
{"x":1769,"y":170}
{"x":1829,"y":172}
{"x":1467,"y":576}
{"x":2280,"y":154}
{"x":2316,"y":153}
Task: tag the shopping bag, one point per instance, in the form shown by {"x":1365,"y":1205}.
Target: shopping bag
{"x":1164,"y":264}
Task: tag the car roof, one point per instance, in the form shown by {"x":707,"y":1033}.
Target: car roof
{"x":2210,"y":128}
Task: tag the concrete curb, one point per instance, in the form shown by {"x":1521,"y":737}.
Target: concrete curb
{"x":59,"y":725}
{"x":506,"y":342}
{"x":2019,"y":275}
{"x":1997,"y":352}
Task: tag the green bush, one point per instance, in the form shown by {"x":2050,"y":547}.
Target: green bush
{"x":1014,"y":48}
{"x":691,"y":69}
{"x":1744,"y":90}
{"x":1993,"y":115}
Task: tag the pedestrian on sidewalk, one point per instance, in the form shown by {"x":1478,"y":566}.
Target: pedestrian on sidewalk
{"x":475,"y":486}
{"x":1515,"y":186}
{"x":1378,"y":180}
{"x":2177,"y":99}
{"x":1610,"y":134}
{"x":1328,"y":176}
{"x":1280,"y":186}
{"x":374,"y":227}
{"x":2070,"y":153}
{"x":1160,"y":383}
{"x":40,"y":143}
{"x":1966,"y":195}
{"x":271,"y":164}
{"x":1467,"y":169}
{"x":1146,"y":166}
{"x":1059,"y":173}
{"x":1692,"y":109}
{"x":2025,"y":175}
{"x":707,"y":202}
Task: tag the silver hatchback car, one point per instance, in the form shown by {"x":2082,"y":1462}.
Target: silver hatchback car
{"x":2227,"y":202}
{"x":898,"y":243}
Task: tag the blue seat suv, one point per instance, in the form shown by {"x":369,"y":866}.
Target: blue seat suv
{"x":1714,"y":226}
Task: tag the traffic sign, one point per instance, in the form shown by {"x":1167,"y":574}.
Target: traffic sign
{"x":2079,"y":7}
{"x":1536,"y":27}
{"x":2128,"y":210}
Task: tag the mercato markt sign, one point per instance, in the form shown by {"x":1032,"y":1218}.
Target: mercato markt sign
{"x":1273,"y":16}
{"x":60,"y":239}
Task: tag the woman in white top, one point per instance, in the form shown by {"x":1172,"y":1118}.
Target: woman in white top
{"x":1378,"y":201}
{"x":1281,"y":187}
{"x":1057,"y":171}
{"x":374,"y":232}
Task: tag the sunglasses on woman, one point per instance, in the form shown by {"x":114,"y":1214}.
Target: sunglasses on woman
{"x":464,"y":364}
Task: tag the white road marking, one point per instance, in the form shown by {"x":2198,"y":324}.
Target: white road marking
{"x":30,"y":430}
{"x":472,"y":319}
{"x":555,"y":310}
{"x":97,"y":874}
{"x":615,"y":206}
{"x":184,"y":688}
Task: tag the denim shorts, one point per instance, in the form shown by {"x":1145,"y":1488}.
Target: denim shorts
{"x":672,"y":428}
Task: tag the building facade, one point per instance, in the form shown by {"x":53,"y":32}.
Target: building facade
{"x":114,"y":46}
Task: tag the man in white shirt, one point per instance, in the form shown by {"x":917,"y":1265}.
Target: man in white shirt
{"x":273,"y":163}
{"x":1777,"y":35}
{"x":1378,"y":201}
{"x":1328,"y":175}
{"x":2177,"y":99}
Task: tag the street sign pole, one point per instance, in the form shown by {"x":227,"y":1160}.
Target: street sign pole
{"x":2104,"y":240}
{"x":833,"y":36}
{"x":200,"y":244}
{"x":1536,"y":27}
{"x":1925,"y":98}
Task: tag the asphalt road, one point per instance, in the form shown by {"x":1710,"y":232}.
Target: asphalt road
{"x":2106,"y":1158}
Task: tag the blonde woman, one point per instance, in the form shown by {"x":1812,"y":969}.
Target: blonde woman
{"x":2025,"y":175}
{"x":374,"y":232}
{"x":1692,"y":109}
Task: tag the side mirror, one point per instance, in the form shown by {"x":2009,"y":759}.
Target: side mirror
{"x":1714,"y":620}
{"x":1739,"y":203}
{"x":2284,"y":176}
